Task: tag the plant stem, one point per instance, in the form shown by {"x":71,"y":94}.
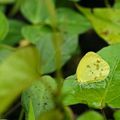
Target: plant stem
{"x":57,"y":41}
{"x":16,"y":7}
{"x":21,"y":115}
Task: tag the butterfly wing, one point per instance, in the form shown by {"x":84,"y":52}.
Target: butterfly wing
{"x":92,"y":68}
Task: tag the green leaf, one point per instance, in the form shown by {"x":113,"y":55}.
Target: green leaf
{"x":90,"y":115}
{"x":117,"y":115}
{"x":41,"y":94}
{"x":14,"y":34}
{"x":2,"y":8}
{"x":57,"y":114}
{"x":71,"y":22}
{"x":106,"y":23}
{"x":31,"y":115}
{"x":5,"y":51}
{"x":117,"y":4}
{"x":4,"y":26}
{"x":52,"y":115}
{"x":42,"y":37}
{"x":97,"y":94}
{"x":34,"y":10}
{"x":17,"y":71}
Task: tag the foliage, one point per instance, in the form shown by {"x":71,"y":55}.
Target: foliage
{"x":90,"y":115}
{"x":38,"y":39}
{"x":117,"y":115}
{"x":106,"y":92}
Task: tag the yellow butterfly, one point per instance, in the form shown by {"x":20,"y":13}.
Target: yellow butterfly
{"x":92,"y":68}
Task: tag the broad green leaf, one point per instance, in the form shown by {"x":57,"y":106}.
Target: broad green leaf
{"x":71,"y":22}
{"x":90,"y":115}
{"x":98,"y":94}
{"x":31,"y":115}
{"x":106,"y":23}
{"x":42,"y":37}
{"x":41,"y":94}
{"x":117,"y":115}
{"x":4,"y":26}
{"x":14,"y":34}
{"x":18,"y":70}
{"x":35,"y":10}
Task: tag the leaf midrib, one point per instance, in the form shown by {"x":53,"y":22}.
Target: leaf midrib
{"x":109,"y":82}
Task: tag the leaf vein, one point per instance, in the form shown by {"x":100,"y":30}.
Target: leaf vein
{"x":109,"y":82}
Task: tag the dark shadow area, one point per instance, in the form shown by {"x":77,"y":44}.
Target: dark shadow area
{"x":90,"y":41}
{"x":79,"y":109}
{"x":14,"y":111}
{"x":96,"y":3}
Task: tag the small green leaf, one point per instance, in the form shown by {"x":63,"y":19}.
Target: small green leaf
{"x":18,"y":70}
{"x":71,"y":22}
{"x":90,"y":115}
{"x":34,"y":10}
{"x":42,"y":37}
{"x":14,"y":34}
{"x":42,"y":96}
{"x":106,"y":23}
{"x":4,"y":26}
{"x":117,"y":115}
{"x":97,"y":94}
{"x":31,"y":115}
